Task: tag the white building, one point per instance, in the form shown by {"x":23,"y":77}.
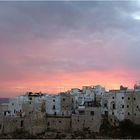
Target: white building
{"x":16,"y":104}
{"x":53,"y":105}
{"x":122,"y":104}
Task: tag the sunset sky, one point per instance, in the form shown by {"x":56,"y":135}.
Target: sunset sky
{"x":54,"y":46}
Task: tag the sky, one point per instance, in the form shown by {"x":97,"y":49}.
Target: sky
{"x":52,"y":46}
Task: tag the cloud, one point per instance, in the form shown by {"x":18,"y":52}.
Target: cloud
{"x":40,"y":40}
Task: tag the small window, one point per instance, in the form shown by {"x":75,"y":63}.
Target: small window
{"x":63,"y":99}
{"x":77,"y":120}
{"x":127,"y":106}
{"x":122,"y":106}
{"x":48,"y":123}
{"x":135,"y":114}
{"x":113,"y":106}
{"x":128,"y":98}
{"x":105,"y":105}
{"x":112,"y":97}
{"x":128,"y":113}
{"x":112,"y":113}
{"x":134,"y":98}
{"x":14,"y":111}
{"x":59,"y":121}
{"x":54,"y":107}
{"x":53,"y":100}
{"x":92,"y":113}
{"x":54,"y":113}
{"x":30,"y":98}
{"x":137,"y":106}
{"x":122,"y":98}
{"x":12,"y":103}
{"x":0,"y":126}
{"x":21,"y":124}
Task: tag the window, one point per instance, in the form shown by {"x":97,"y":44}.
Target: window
{"x":128,"y":113}
{"x":137,"y":106}
{"x":30,"y":98}
{"x":53,"y":107}
{"x":77,"y":120}
{"x":113,"y":106}
{"x":128,"y":98}
{"x":106,"y":113}
{"x":92,"y":113}
{"x":135,"y":114}
{"x":12,"y":103}
{"x":14,"y":111}
{"x":48,"y":123}
{"x":63,"y":99}
{"x":21,"y":124}
{"x":0,"y":126}
{"x":105,"y":104}
{"x":112,"y":97}
{"x":134,"y":98}
{"x":112,"y":113}
{"x":54,"y":113}
{"x":122,"y":98}
{"x":53,"y":100}
{"x":59,"y":121}
{"x":122,"y":106}
{"x":127,"y":106}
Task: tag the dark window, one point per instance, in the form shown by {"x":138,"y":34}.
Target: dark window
{"x":63,"y":99}
{"x":14,"y":111}
{"x":54,"y":113}
{"x":113,"y":106}
{"x":112,"y":97}
{"x":48,"y":124}
{"x":53,"y":100}
{"x":30,"y":98}
{"x":59,"y":121}
{"x":92,"y":113}
{"x":105,"y":105}
{"x":135,"y":114}
{"x":12,"y":103}
{"x":134,"y":98}
{"x":4,"y":113}
{"x":127,"y":106}
{"x":77,"y":120}
{"x":137,"y":106}
{"x":128,"y":98}
{"x":122,"y":97}
{"x":53,"y":106}
{"x":106,"y":113}
{"x":112,"y":113}
{"x":21,"y":124}
{"x":0,"y":126}
{"x":128,"y":113}
{"x":122,"y":106}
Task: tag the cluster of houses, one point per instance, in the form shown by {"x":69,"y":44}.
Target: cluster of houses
{"x":74,"y":110}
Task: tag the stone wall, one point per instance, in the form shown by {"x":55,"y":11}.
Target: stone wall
{"x":91,"y":120}
{"x":59,"y":123}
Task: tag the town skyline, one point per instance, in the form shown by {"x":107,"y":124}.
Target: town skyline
{"x":50,"y":46}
